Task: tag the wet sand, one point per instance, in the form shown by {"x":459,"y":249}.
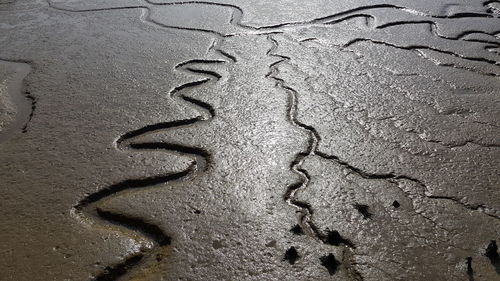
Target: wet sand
{"x":249,"y":140}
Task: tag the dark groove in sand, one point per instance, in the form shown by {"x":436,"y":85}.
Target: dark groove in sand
{"x":304,"y":208}
{"x":422,"y":47}
{"x":88,"y":210}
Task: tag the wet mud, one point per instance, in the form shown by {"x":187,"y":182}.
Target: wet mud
{"x":249,"y":140}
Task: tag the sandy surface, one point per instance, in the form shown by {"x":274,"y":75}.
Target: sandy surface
{"x":249,"y":140}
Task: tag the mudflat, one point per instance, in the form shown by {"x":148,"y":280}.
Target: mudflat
{"x":249,"y":140}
